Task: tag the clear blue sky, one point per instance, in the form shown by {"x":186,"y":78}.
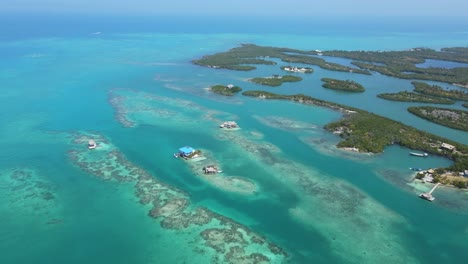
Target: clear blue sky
{"x":245,"y":7}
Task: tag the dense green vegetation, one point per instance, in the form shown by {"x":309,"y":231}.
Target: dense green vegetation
{"x":242,"y":58}
{"x":297,"y":69}
{"x":372,"y":133}
{"x":225,"y":90}
{"x":360,"y":129}
{"x":347,"y":85}
{"x":465,"y":105}
{"x":460,"y":184}
{"x":275,"y":80}
{"x":402,"y":64}
{"x":435,"y":90}
{"x":453,"y":118}
{"x":406,"y":96}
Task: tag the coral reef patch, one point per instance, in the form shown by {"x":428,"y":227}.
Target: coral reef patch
{"x":23,"y":190}
{"x":232,"y":241}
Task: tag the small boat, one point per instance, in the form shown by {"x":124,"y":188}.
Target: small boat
{"x":415,"y":169}
{"x":419,"y":154}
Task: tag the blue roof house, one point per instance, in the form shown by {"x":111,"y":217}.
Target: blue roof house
{"x":185,"y":151}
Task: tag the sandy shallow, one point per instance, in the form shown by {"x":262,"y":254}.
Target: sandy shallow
{"x":234,"y":184}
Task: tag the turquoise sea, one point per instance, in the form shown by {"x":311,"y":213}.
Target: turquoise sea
{"x":286,"y":194}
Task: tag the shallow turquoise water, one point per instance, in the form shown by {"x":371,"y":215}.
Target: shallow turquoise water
{"x":56,"y":86}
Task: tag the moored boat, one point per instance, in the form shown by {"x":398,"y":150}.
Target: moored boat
{"x":419,"y":154}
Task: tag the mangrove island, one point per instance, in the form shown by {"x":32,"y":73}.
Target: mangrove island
{"x":342,"y":85}
{"x":228,"y":90}
{"x":435,"y":90}
{"x":275,"y":80}
{"x":405,"y":96}
{"x":457,"y":119}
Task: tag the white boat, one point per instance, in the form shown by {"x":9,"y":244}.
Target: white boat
{"x":419,"y":154}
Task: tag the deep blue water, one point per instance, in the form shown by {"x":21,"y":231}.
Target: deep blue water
{"x":14,"y":26}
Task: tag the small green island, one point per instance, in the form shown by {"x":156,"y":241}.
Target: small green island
{"x":405,"y":96}
{"x":370,"y":133}
{"x":297,"y":69}
{"x":275,"y":80}
{"x":342,"y":85}
{"x":457,"y":119}
{"x":228,"y":90}
{"x":435,"y":90}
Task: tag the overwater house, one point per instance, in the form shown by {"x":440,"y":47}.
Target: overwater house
{"x":229,"y":125}
{"x":92,"y":144}
{"x":295,"y":69}
{"x":185,"y":152}
{"x":210,"y":169}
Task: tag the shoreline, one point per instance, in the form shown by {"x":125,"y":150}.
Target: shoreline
{"x":425,"y":142}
